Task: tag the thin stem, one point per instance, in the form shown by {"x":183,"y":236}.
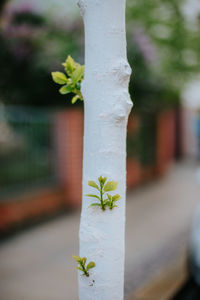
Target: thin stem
{"x":84,"y":270}
{"x":101,"y":197}
{"x":111,"y":204}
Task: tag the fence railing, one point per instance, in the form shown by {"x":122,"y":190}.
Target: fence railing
{"x":26,"y":148}
{"x":41,"y":158}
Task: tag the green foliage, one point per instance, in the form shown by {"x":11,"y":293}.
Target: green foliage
{"x":93,"y":184}
{"x":175,"y":38}
{"x":82,"y":265}
{"x":72,"y":80}
{"x":28,"y":17}
{"x":32,"y":45}
{"x":22,"y":42}
{"x":59,"y":77}
{"x":110,"y":186}
{"x":102,"y":186}
{"x":112,"y":199}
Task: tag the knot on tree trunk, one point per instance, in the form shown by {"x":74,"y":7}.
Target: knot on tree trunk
{"x":121,"y":108}
{"x":122,"y":71}
{"x":82,"y":5}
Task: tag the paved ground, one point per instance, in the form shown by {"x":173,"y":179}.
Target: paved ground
{"x":37,"y":264}
{"x":165,"y":284}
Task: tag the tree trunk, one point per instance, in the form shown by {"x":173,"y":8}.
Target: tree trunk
{"x":107,"y":105}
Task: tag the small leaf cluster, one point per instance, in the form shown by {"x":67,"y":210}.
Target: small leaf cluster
{"x":103,"y":186}
{"x":82,"y":265}
{"x":71,"y":80}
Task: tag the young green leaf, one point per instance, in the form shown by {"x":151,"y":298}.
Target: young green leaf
{"x":69,"y":65}
{"x":66,"y":89}
{"x":110,"y":186}
{"x":77,"y":74}
{"x":103,"y":188}
{"x":91,"y":265}
{"x":76,"y":258}
{"x":116,"y":197}
{"x":71,"y":80}
{"x":93,"y":196}
{"x":95,"y":204}
{"x":109,"y":197}
{"x":84,"y":259}
{"x":93,"y":184}
{"x":59,"y":77}
{"x":112,"y":206}
{"x":102,"y":180}
{"x":75,"y":98}
{"x":78,"y":86}
{"x":82,"y":265}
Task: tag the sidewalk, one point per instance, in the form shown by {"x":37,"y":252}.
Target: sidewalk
{"x":37,"y":264}
{"x":165,"y":284}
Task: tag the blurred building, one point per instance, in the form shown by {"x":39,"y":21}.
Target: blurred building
{"x":41,"y":133}
{"x":191,"y":104}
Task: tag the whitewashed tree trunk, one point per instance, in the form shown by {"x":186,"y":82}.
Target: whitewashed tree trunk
{"x":107,"y":105}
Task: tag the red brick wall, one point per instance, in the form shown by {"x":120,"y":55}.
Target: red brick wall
{"x":68,"y":137}
{"x":165,"y":140}
{"x":30,"y":206}
{"x":69,"y":148}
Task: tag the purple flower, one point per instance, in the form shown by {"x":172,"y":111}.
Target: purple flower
{"x":145,"y":45}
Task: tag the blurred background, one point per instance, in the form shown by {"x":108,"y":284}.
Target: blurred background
{"x":41,"y":137}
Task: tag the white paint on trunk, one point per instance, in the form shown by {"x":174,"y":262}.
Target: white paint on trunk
{"x":107,"y":105}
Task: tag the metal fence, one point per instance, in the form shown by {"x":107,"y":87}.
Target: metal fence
{"x":26,"y":149}
{"x":141,"y":139}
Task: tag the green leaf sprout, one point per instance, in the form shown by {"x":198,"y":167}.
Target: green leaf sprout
{"x":82,"y":265}
{"x":71,"y":81}
{"x":102,"y":186}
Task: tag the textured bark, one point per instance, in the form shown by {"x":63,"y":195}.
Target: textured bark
{"x":107,"y":105}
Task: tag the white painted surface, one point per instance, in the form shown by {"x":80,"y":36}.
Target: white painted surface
{"x":189,"y":137}
{"x":191,"y":94}
{"x":107,"y":106}
{"x":191,"y":104}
